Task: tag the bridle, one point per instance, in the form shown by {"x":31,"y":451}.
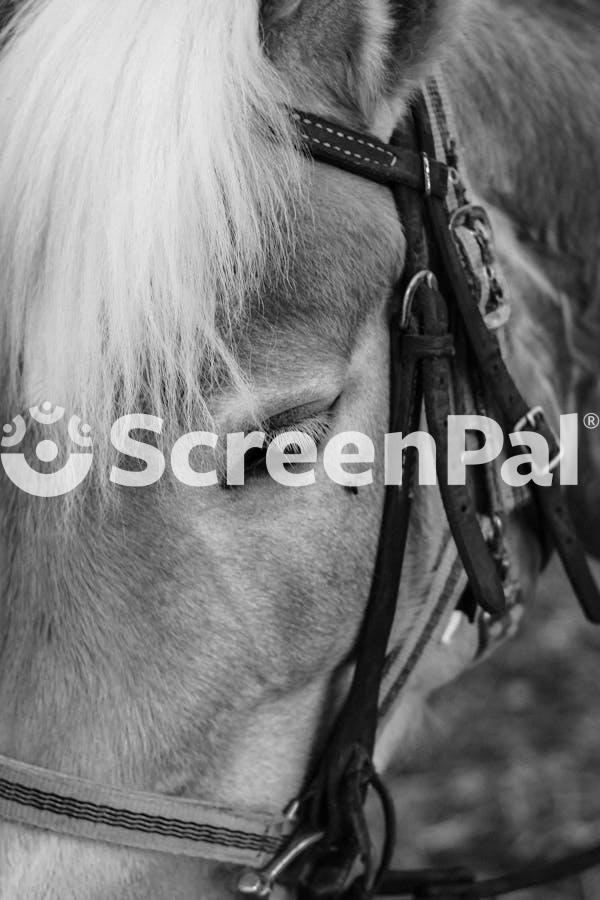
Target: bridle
{"x":436,"y":329}
{"x":439,"y":335}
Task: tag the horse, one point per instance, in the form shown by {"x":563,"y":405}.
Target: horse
{"x":166,"y":249}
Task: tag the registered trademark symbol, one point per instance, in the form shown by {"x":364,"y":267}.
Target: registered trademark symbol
{"x":591,"y":421}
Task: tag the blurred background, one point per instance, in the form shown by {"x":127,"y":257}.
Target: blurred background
{"x":509,"y":768}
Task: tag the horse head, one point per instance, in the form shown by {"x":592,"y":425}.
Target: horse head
{"x":167,"y":249}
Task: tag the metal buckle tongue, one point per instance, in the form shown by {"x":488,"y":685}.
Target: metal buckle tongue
{"x":260,"y":882}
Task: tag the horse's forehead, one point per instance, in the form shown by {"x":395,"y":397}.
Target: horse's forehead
{"x":346,"y":255}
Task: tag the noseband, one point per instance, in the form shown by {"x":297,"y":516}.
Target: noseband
{"x":440,"y":339}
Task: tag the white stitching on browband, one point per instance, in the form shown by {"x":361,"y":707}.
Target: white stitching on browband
{"x":306,"y":121}
{"x":364,"y":159}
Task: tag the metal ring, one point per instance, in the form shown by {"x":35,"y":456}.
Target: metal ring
{"x":260,"y":883}
{"x":424,"y":276}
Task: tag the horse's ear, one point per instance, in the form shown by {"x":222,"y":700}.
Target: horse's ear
{"x":360,"y":53}
{"x":421,"y":32}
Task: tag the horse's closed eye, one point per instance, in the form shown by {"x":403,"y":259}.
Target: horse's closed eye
{"x":316,"y":430}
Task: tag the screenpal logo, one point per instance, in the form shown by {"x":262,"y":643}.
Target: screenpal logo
{"x":40,"y":483}
{"x":530,"y":454}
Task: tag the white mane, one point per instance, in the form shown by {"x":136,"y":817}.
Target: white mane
{"x":141,"y":196}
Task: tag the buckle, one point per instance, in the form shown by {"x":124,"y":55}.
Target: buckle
{"x":260,"y":882}
{"x":476,"y":220}
{"x":425,"y":276}
{"x":533,"y":418}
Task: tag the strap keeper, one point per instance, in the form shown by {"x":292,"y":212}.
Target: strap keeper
{"x":432,"y":346}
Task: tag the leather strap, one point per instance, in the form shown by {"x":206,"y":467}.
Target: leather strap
{"x":501,"y":386}
{"x":334,"y":796}
{"x":445,"y":884}
{"x":430,"y":332}
{"x":473,"y":549}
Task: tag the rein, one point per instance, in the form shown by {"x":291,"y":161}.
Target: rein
{"x":440,"y":340}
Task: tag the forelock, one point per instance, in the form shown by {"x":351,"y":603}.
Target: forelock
{"x":147,"y":175}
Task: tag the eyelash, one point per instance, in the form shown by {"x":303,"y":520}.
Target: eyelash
{"x":316,"y":428}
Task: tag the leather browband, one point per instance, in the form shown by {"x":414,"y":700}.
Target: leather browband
{"x":369,"y":157}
